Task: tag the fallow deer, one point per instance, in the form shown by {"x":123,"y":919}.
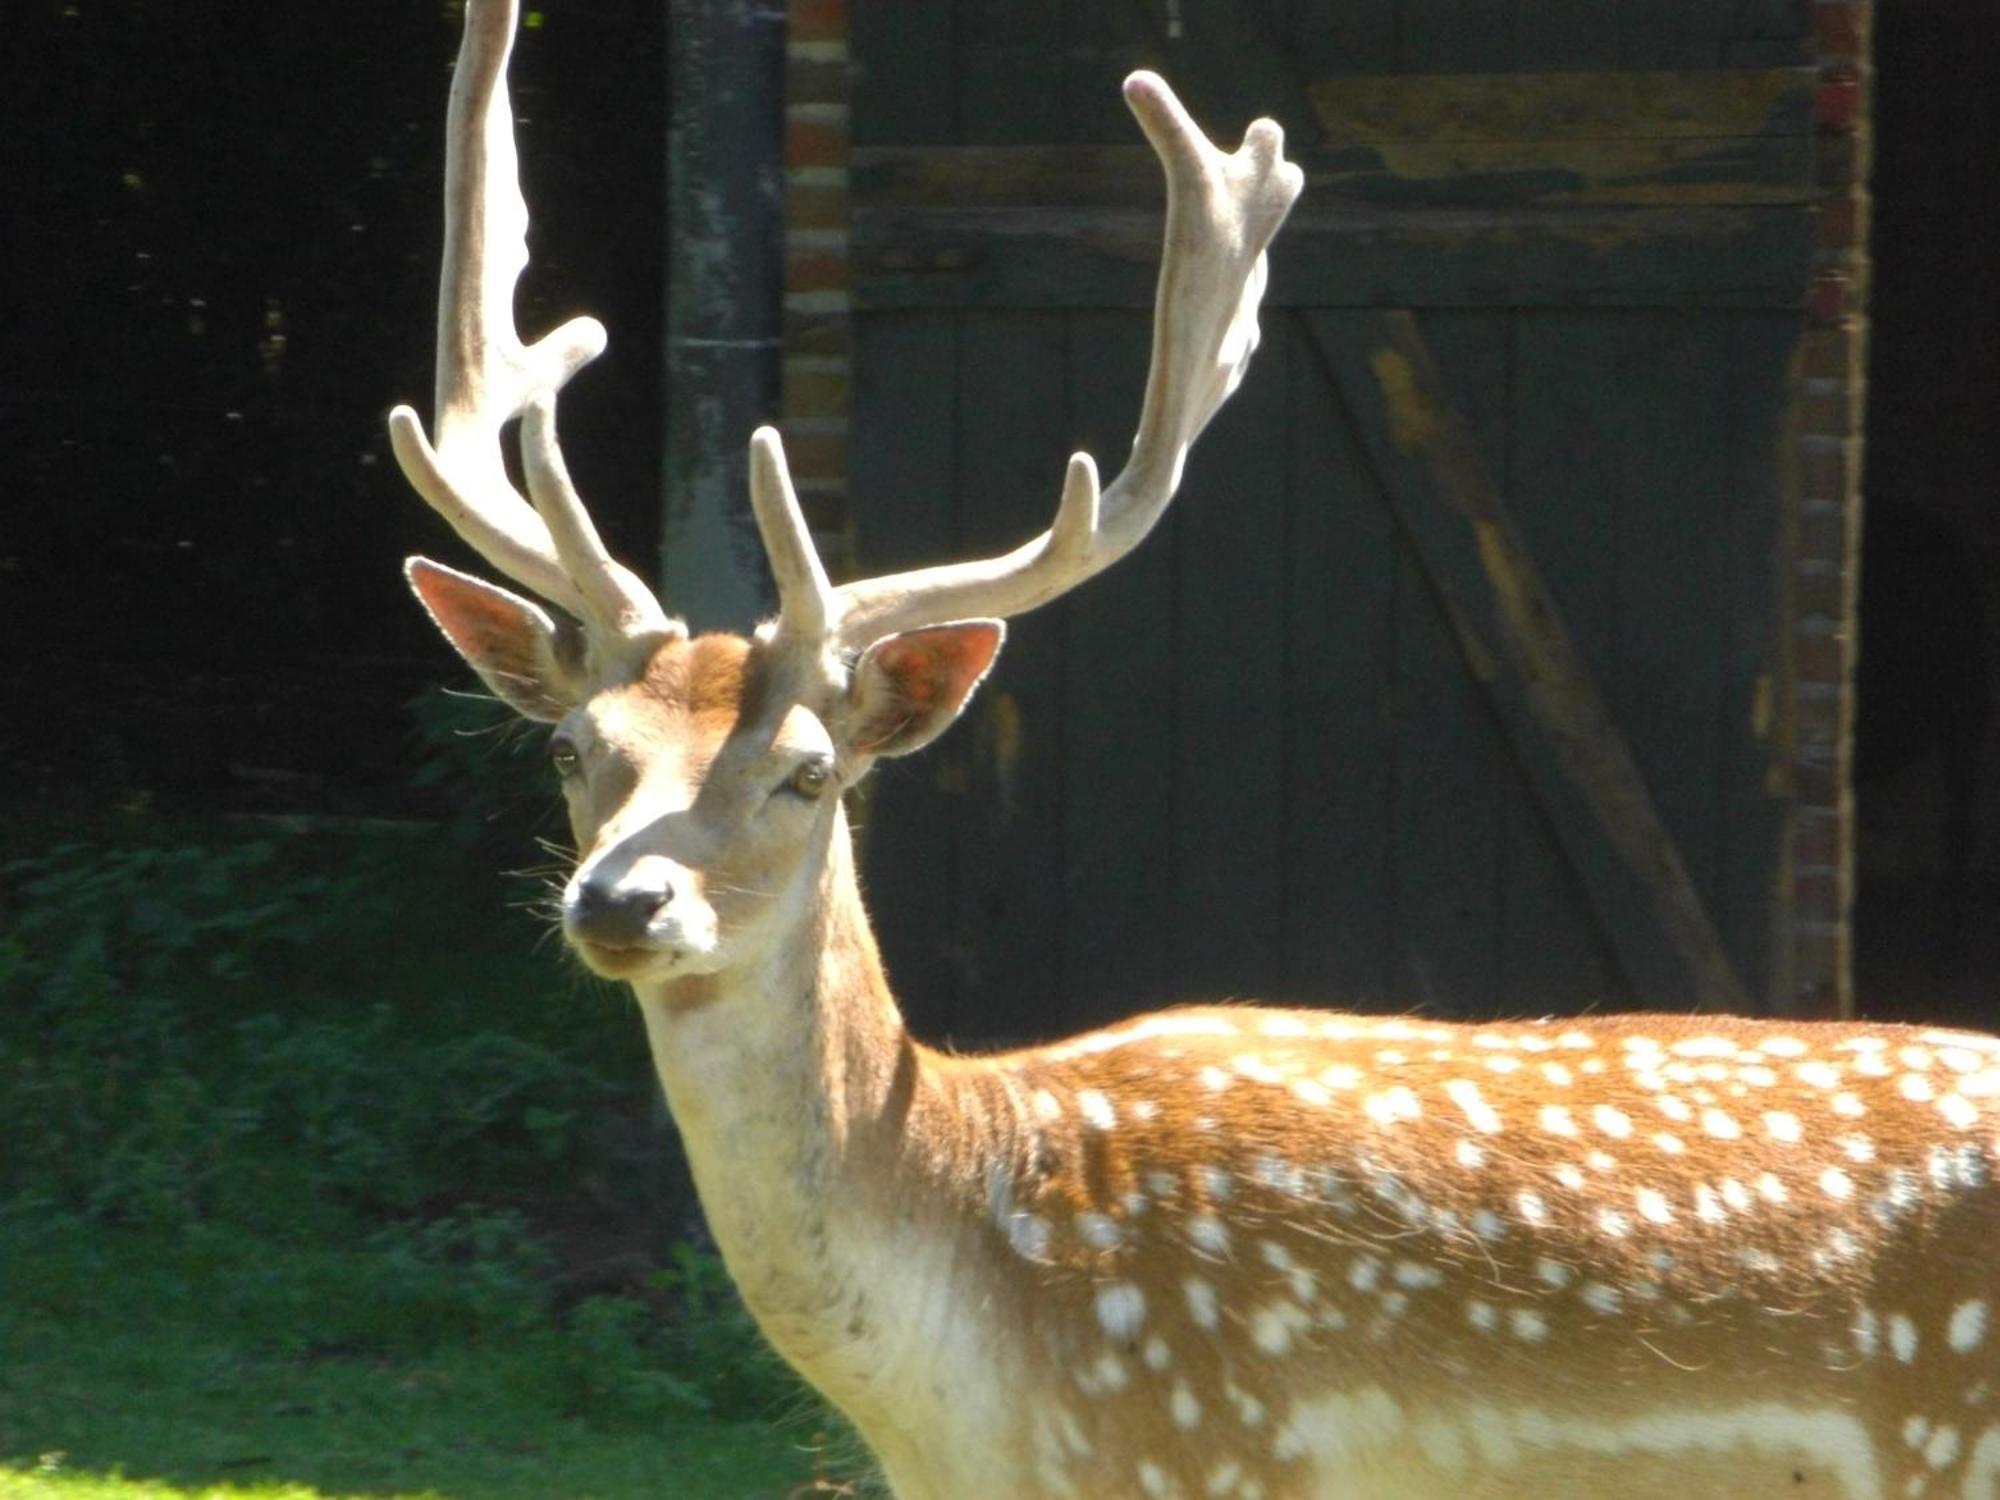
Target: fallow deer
{"x":1213,"y":1252}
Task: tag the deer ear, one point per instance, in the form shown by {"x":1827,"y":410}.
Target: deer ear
{"x":532,"y":662}
{"x":908,"y":688}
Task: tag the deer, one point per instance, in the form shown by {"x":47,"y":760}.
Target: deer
{"x":1219,"y":1250}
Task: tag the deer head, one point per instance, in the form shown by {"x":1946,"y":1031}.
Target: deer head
{"x":703,"y":774}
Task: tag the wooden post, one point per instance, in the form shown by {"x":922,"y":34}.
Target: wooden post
{"x":725,"y":217}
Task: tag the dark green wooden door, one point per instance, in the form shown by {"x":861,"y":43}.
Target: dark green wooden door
{"x":1279,"y":752}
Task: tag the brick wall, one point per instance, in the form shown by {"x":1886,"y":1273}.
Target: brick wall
{"x":818,"y":319}
{"x":1825,"y":474}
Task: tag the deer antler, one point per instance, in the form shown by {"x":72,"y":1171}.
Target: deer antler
{"x":1222,"y":210}
{"x":486,"y":375}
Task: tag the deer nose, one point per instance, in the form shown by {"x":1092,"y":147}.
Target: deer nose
{"x":616,"y":914}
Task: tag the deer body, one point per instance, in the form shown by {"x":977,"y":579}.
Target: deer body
{"x":1226,"y":1252}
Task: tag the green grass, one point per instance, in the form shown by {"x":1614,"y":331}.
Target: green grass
{"x":129,"y":1384}
{"x":320,"y":1178}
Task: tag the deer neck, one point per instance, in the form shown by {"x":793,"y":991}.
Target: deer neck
{"x":801,"y":1099}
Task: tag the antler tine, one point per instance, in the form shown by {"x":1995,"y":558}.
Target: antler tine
{"x":1222,"y":211}
{"x":486,"y":375}
{"x":805,"y":599}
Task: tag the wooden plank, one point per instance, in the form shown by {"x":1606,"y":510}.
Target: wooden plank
{"x":1120,"y":667}
{"x":1229,"y":691}
{"x":903,"y":465}
{"x":1340,"y":568}
{"x":1743,"y":169}
{"x":1636,"y":257}
{"x":1012,"y":442}
{"x":1684,"y":104}
{"x":1456,"y":36}
{"x":1451,"y":778}
{"x":1010,"y":84}
{"x":1235,"y":67}
{"x":1753,"y":902}
{"x":1328,"y":37}
{"x":903,"y":53}
{"x":1520,"y":650}
{"x":1566,"y":426}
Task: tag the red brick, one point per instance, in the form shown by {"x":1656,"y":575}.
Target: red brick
{"x":1819,"y":658}
{"x":1819,"y":592}
{"x":1837,"y":29}
{"x":815,"y":143}
{"x":1832,"y":353}
{"x":817,"y":20}
{"x":1843,"y":221}
{"x":1823,"y":534}
{"x":813,"y":454}
{"x":1819,"y":839}
{"x":1837,"y":101}
{"x":1819,"y":718}
{"x":816,"y":394}
{"x":825,"y":510}
{"x":812,"y":82}
{"x":815,"y":271}
{"x":1827,"y":302}
{"x":818,"y":333}
{"x":1826,"y":473}
{"x":810,"y":206}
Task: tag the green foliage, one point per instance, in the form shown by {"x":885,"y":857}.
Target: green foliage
{"x":211,"y":1138}
{"x":158,"y":1027}
{"x":490,"y":761}
{"x":715,"y":1344}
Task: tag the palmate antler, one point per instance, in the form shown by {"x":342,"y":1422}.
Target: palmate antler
{"x":486,"y":376}
{"x":1222,"y":211}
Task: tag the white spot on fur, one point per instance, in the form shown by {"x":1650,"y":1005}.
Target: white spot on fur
{"x":1835,"y":1183}
{"x":1096,"y":1110}
{"x":1392,"y":1105}
{"x":1556,"y":1119}
{"x":1099,"y":1231}
{"x":1467,"y":1154}
{"x":1482,"y":1116}
{"x":1182,"y":1406}
{"x":1613,"y":1122}
{"x":1782,"y":1125}
{"x":1029,"y":1234}
{"x":1531,"y":1207}
{"x":1601,"y":1298}
{"x":1201,"y":1301}
{"x":1967,"y":1326}
{"x":1720,"y":1124}
{"x":1333,"y":1430}
{"x":1653,"y":1205}
{"x":1121,"y":1309}
{"x":1902,"y":1337}
{"x":1208,"y":1233}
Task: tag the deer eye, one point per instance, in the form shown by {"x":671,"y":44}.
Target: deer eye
{"x":563,"y":756}
{"x":809,"y":780}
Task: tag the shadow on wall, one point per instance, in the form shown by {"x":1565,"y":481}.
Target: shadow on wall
{"x":1921,"y":754}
